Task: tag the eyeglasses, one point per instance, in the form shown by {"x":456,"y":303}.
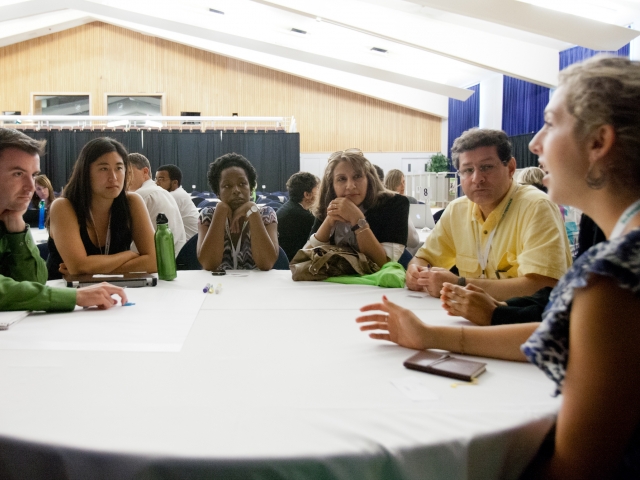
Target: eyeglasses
{"x":483,"y":169}
{"x":353,"y":151}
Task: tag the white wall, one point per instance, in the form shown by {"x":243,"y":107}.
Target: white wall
{"x":316,"y":162}
{"x":491,"y":92}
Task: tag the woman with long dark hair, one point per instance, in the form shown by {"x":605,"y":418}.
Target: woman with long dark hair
{"x":94,"y":222}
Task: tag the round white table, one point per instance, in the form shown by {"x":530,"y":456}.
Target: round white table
{"x":268,"y":379}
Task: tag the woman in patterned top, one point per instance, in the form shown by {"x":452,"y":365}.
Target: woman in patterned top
{"x":590,"y":146}
{"x":236,"y":234}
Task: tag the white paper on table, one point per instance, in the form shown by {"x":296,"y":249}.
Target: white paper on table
{"x":415,"y":389}
{"x":159,"y":321}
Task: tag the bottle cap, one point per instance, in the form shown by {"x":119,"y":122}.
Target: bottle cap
{"x":161,"y":218}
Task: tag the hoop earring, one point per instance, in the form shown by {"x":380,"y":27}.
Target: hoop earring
{"x":593,"y":182}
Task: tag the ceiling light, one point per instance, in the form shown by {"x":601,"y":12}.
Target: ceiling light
{"x":379,"y":51}
{"x":213,"y":10}
{"x":297,"y":30}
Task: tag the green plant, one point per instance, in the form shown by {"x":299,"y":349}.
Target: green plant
{"x":439,"y":163}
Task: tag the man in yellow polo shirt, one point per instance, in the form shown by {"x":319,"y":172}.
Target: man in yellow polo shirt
{"x":506,"y":238}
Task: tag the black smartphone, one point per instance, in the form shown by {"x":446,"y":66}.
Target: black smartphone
{"x":219,"y":272}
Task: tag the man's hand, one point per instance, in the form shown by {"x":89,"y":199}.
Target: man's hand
{"x":470,"y":302}
{"x":13,"y":221}
{"x":428,"y":279}
{"x":99,"y":295}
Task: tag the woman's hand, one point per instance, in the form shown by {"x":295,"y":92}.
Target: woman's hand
{"x":470,"y":302}
{"x":237,"y":217}
{"x":344,"y":210}
{"x":398,"y":324}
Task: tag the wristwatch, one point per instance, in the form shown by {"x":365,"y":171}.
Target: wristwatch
{"x":253,"y":209}
{"x":361,"y":224}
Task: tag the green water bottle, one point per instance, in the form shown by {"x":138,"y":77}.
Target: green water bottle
{"x":165,"y":253}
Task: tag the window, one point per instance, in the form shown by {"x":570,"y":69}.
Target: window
{"x":61,"y":104}
{"x":119,"y":105}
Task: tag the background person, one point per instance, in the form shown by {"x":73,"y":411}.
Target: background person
{"x":355,"y":210}
{"x":294,"y":218}
{"x":169,"y":177}
{"x":236,"y":234}
{"x":156,"y":199}
{"x":94,"y":222}
{"x":532,"y":176}
{"x":396,"y":182}
{"x":44,"y":191}
{"x":587,"y":341}
{"x":506,"y":238}
{"x":23,"y":272}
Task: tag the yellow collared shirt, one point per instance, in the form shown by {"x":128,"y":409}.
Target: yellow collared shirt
{"x":531,"y":237}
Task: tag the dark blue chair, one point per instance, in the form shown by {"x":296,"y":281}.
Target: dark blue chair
{"x":43,"y":248}
{"x":187,"y":259}
{"x":274,"y":198}
{"x":207,"y":203}
{"x":437,"y":215}
{"x":197,"y":200}
{"x":274,"y":205}
{"x":405,"y":258}
{"x":283,"y":262}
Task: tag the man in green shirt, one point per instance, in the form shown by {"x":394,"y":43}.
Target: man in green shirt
{"x":23,"y":273}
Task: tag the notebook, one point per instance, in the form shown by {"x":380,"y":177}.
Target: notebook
{"x":131,"y":280}
{"x":9,"y":318}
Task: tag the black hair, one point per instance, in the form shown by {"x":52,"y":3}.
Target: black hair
{"x":300,"y":183}
{"x":174,"y":172}
{"x":227,"y":161}
{"x":78,"y":191}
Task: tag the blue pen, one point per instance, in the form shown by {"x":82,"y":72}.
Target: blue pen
{"x":206,"y":288}
{"x":128,"y":304}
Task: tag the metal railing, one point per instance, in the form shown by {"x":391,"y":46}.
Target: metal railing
{"x":142,"y":122}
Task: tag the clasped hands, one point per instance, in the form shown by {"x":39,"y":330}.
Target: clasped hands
{"x":428,"y":279}
{"x":237,"y":216}
{"x":341,"y":209}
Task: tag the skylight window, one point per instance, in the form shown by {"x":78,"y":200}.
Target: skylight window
{"x":600,"y":10}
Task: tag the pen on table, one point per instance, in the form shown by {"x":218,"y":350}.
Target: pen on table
{"x":218,"y":288}
{"x":206,"y":288}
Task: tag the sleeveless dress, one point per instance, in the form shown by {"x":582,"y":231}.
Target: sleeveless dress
{"x":548,"y":346}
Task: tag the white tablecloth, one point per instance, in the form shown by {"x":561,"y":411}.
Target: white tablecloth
{"x":274,"y":380}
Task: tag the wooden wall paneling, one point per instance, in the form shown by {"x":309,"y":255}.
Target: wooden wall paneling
{"x":100,"y":58}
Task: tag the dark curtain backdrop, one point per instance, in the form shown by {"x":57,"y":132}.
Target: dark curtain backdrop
{"x":463,"y":115}
{"x":523,"y":106}
{"x":275,"y":155}
{"x":577,"y":54}
{"x":520,"y":150}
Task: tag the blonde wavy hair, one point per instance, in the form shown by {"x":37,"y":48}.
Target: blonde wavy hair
{"x":605,"y":90}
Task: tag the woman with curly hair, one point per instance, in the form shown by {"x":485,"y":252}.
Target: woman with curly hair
{"x":236,"y":234}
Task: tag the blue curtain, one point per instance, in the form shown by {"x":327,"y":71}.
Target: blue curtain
{"x":523,"y":105}
{"x":577,"y":54}
{"x":463,"y":115}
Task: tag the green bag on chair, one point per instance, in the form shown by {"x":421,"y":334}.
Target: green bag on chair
{"x":391,"y":275}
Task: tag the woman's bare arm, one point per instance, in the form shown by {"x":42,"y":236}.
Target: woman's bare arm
{"x":65,"y":231}
{"x":601,"y":406}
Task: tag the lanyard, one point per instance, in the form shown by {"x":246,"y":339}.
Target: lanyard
{"x":624,"y":219}
{"x":107,"y":240}
{"x":236,"y":249}
{"x":483,"y":255}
